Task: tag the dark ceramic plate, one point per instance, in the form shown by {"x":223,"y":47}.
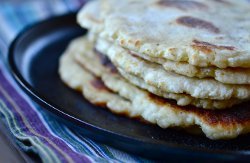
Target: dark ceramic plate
{"x":33,"y":59}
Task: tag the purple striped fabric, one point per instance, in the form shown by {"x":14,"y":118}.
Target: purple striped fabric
{"x":30,"y":122}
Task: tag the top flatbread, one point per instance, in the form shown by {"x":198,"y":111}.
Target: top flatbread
{"x":92,"y":15}
{"x":202,"y":33}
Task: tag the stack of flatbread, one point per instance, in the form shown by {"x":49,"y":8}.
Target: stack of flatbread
{"x":174,"y":63}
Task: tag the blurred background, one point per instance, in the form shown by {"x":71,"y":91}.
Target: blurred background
{"x":16,"y":14}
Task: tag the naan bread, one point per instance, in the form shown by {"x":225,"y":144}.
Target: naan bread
{"x":199,"y":32}
{"x":181,"y":99}
{"x":91,"y":86}
{"x":153,"y":74}
{"x":122,"y":97}
{"x":226,"y":75}
{"x":92,"y":15}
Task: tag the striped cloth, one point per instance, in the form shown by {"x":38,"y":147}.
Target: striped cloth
{"x":34,"y":130}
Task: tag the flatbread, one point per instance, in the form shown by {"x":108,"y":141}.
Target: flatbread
{"x":153,"y":74}
{"x":226,"y":75}
{"x":92,"y":15}
{"x":181,"y":99}
{"x":91,"y":86}
{"x":199,"y":32}
{"x":133,"y":101}
{"x":205,"y":33}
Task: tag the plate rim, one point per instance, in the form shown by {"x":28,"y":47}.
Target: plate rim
{"x":55,"y":109}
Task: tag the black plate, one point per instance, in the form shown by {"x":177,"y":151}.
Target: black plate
{"x":33,"y":58}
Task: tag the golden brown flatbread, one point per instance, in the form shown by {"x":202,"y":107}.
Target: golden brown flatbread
{"x":99,"y":81}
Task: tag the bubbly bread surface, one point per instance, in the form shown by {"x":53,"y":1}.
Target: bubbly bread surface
{"x":186,"y":31}
{"x":101,"y":84}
